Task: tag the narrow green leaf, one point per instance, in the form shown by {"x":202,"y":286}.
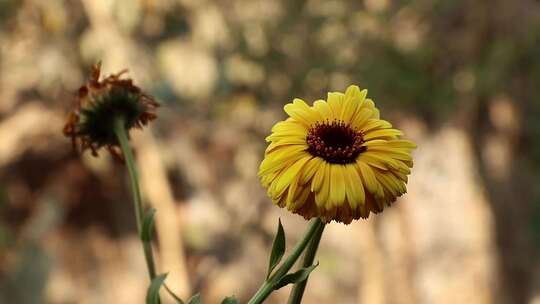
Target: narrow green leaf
{"x":295,"y":277}
{"x":196,"y":299}
{"x":278,"y":249}
{"x":148,"y":225}
{"x":230,"y":300}
{"x":173,"y":295}
{"x":152,"y":296}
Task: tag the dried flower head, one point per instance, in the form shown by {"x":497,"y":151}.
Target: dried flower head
{"x":336,"y":160}
{"x":99,"y":103}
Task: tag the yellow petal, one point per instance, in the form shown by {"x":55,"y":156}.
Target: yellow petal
{"x":310,"y":169}
{"x":295,"y":184}
{"x":403,"y":166}
{"x":277,"y":159}
{"x":287,"y":177}
{"x":294,"y":188}
{"x":267,"y":179}
{"x":400,"y":146}
{"x":383,"y":158}
{"x":301,"y":112}
{"x":354,"y":187}
{"x":402,"y":143}
{"x":376,"y":114}
{"x":318,"y":178}
{"x":289,"y":124}
{"x":361,"y":118}
{"x":402,"y":176}
{"x":368,"y":177}
{"x":285,"y":142}
{"x":391,"y":152}
{"x":348,"y":110}
{"x":376,"y":142}
{"x":376,"y":124}
{"x":314,"y":115}
{"x":382,"y":133}
{"x":352,"y":102}
{"x":374,"y":162}
{"x":369,"y":103}
{"x":353,"y":92}
{"x":323,"y":108}
{"x":389,"y":183}
{"x":335,"y":101}
{"x":337,"y":185}
{"x":301,"y":198}
{"x":321,"y":196}
{"x":286,"y":133}
{"x":280,"y":201}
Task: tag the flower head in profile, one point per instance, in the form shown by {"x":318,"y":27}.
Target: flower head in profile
{"x":99,"y":103}
{"x":336,"y":160}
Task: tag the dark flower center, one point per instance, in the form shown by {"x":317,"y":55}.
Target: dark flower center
{"x":335,"y":141}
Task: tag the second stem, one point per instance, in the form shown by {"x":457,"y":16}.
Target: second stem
{"x":298,"y":288}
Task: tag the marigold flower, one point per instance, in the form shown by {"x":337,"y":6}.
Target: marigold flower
{"x":336,"y":160}
{"x":99,"y":103}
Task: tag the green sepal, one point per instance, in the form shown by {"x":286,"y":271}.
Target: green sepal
{"x":97,"y":117}
{"x":152,"y":295}
{"x":230,"y":300}
{"x":196,"y":299}
{"x":148,"y":225}
{"x":278,"y":249}
{"x":295,"y":277}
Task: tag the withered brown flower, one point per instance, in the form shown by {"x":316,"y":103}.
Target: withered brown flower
{"x":99,"y":103}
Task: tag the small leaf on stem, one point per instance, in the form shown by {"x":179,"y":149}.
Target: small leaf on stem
{"x":230,"y":300}
{"x":278,"y":249}
{"x":295,"y":277}
{"x":152,"y":296}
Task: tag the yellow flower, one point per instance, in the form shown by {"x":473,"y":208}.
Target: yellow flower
{"x":336,"y":160}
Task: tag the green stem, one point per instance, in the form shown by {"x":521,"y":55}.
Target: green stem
{"x":121,"y":134}
{"x":268,"y":286}
{"x":298,"y":288}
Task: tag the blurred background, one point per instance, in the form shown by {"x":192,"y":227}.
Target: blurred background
{"x":461,"y":78}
